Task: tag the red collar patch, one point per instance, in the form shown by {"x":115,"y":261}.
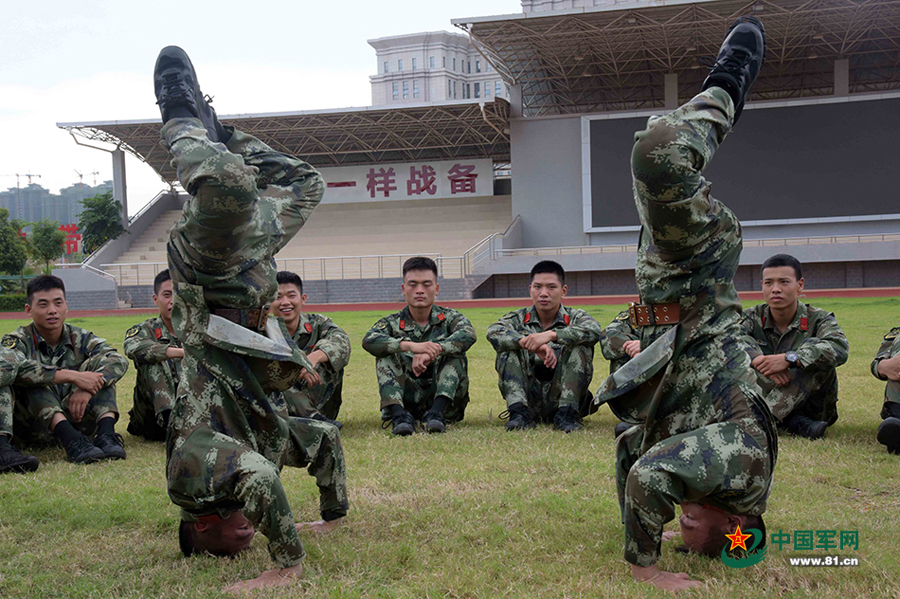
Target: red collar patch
{"x":527,"y":318}
{"x":566,"y":319}
{"x":402,"y":325}
{"x":308,"y":327}
{"x":158,"y":333}
{"x":441,"y":317}
{"x":804,"y":323}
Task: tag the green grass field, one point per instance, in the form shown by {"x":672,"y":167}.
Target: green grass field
{"x":476,"y":512}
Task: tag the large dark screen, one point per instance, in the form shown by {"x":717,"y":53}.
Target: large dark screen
{"x":800,"y":162}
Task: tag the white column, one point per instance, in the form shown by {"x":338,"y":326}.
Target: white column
{"x":119,"y":187}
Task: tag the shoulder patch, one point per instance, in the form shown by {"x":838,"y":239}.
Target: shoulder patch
{"x":891,"y":335}
{"x":133,"y":331}
{"x":623,"y":315}
{"x":381,"y":325}
{"x":9,"y":342}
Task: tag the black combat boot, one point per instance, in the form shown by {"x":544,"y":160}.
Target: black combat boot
{"x":621,"y":428}
{"x":13,"y":460}
{"x":403,"y":424}
{"x":112,"y":446}
{"x":81,"y":451}
{"x":889,"y":434}
{"x":567,"y":419}
{"x":800,"y":425}
{"x":519,"y":417}
{"x":739,"y":61}
{"x":178,"y":92}
{"x":434,"y":421}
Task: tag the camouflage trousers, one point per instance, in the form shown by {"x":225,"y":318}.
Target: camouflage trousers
{"x":323,"y":457}
{"x":445,"y":376}
{"x":145,"y":418}
{"x":733,"y":460}
{"x":325,"y":398}
{"x":813,"y":394}
{"x":525,"y":379}
{"x":6,"y":411}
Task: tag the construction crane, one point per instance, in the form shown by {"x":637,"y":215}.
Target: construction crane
{"x":95,"y":173}
{"x":80,"y":178}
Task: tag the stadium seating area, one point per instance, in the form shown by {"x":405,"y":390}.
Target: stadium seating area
{"x":373,"y":238}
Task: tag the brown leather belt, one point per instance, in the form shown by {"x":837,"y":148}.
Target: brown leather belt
{"x":644,"y":315}
{"x":253,"y":318}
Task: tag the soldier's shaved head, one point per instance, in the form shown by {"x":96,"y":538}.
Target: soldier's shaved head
{"x":217,"y":536}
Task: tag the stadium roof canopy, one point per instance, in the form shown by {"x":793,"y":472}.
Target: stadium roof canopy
{"x":601,"y":59}
{"x":340,"y":137}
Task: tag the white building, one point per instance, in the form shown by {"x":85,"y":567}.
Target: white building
{"x":434,"y":66}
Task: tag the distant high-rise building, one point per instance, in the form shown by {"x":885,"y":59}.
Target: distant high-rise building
{"x":38,"y":203}
{"x":434,"y":66}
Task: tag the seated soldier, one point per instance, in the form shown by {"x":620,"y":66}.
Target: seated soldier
{"x":11,"y":459}
{"x":157,"y":358}
{"x":545,"y":356}
{"x":795,"y":349}
{"x":327,"y":346}
{"x":421,"y":356}
{"x":229,"y":433}
{"x":886,"y":367}
{"x":66,"y":385}
{"x":703,"y":438}
{"x":619,"y":343}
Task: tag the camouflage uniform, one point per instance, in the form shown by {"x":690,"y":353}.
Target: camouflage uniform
{"x":157,"y":377}
{"x":9,"y":368}
{"x":37,"y":399}
{"x":613,"y":340}
{"x":821,"y":346}
{"x":228,"y":434}
{"x":523,"y":376}
{"x":447,"y":375}
{"x":318,"y":332}
{"x":890,"y":347}
{"x":705,"y":433}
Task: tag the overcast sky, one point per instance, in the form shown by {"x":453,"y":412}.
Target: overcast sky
{"x":65,"y":61}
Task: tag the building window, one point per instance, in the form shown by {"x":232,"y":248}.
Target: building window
{"x":414,"y":64}
{"x":416,"y":88}
{"x":399,"y":64}
{"x":454,"y":89}
{"x":487,"y":89}
{"x":406,"y":90}
{"x":444,"y":61}
{"x":449,"y":89}
{"x":497,"y":88}
{"x":468,"y":91}
{"x":487,"y":67}
{"x":431,"y":62}
{"x":454,"y":64}
{"x":396,"y":90}
{"x":477,"y":90}
{"x":477,"y":66}
{"x":507,"y":91}
{"x":470,"y":66}
{"x":385,"y":66}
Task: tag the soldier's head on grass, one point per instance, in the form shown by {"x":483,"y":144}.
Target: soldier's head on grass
{"x":420,"y":284}
{"x":216,"y":535}
{"x":782,"y":281}
{"x":290,"y":300}
{"x":703,"y":529}
{"x":548,"y":286}
{"x":163,"y":294}
{"x":45,"y":304}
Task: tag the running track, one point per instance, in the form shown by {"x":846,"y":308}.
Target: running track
{"x":588,"y":300}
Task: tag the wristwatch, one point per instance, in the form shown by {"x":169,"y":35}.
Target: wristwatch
{"x":792,"y":359}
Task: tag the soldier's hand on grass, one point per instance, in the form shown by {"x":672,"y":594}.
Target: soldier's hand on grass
{"x":667,"y":581}
{"x":632,"y":348}
{"x":78,"y":403}
{"x":890,"y":368}
{"x":312,"y":378}
{"x":769,"y":365}
{"x":670,"y":535}
{"x":420,"y":363}
{"x":546,"y":353}
{"x":782,"y":379}
{"x":320,"y":527}
{"x":534,"y":341}
{"x":269,"y":578}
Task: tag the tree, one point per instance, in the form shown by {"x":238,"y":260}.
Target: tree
{"x":46,"y":242}
{"x":13,"y":256}
{"x":100,"y":221}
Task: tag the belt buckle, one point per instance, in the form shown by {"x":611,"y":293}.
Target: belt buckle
{"x":263,"y":317}
{"x":632,"y":315}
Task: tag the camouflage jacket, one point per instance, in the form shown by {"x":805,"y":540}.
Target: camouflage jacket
{"x":890,"y":347}
{"x":814,"y":334}
{"x":446,"y":327}
{"x":9,"y":366}
{"x":39,"y":361}
{"x":146,"y":343}
{"x":318,"y":332}
{"x":572,"y":326}
{"x":615,"y":335}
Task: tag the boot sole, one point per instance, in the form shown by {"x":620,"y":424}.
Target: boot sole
{"x":20,"y":468}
